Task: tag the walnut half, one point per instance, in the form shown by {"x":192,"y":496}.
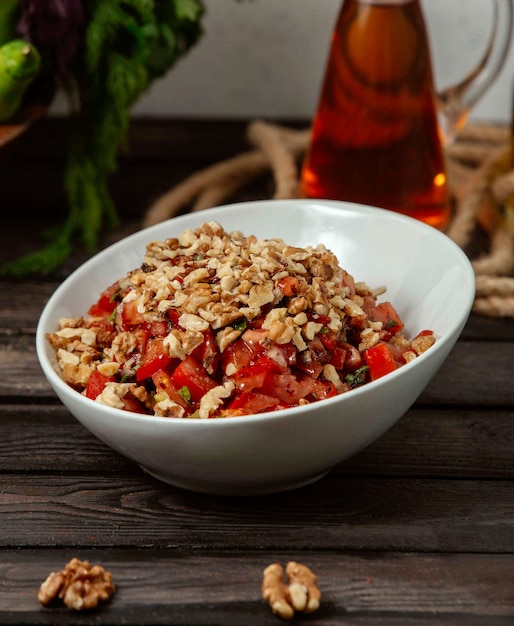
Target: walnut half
{"x":300,"y":595}
{"x":79,"y":585}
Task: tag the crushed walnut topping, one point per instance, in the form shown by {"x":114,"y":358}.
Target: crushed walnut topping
{"x":208,"y":294}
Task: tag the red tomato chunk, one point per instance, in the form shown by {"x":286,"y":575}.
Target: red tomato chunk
{"x":379,"y":360}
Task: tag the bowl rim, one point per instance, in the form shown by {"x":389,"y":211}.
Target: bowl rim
{"x":57,"y":382}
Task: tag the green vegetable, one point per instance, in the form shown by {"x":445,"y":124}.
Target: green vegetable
{"x":19,"y":64}
{"x":358,"y":377}
{"x":124,"y":46}
{"x":127,"y":45}
{"x":8,"y":16}
{"x":185,"y":393}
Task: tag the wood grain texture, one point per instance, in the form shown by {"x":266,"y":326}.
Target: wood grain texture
{"x":353,"y":586}
{"x":336,"y":512}
{"x":416,"y":530}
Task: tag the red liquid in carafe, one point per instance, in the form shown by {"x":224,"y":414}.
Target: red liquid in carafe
{"x":375,"y":138}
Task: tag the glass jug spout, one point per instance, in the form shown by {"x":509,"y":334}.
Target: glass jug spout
{"x":456,"y":101}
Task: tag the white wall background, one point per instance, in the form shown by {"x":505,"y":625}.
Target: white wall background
{"x":266,"y":58}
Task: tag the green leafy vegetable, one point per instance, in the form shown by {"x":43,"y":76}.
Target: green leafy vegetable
{"x":127,"y":45}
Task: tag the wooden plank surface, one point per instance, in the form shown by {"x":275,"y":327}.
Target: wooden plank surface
{"x":416,"y":530}
{"x":336,"y":512}
{"x":353,"y":586}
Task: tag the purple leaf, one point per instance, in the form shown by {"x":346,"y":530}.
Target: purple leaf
{"x":56,"y":28}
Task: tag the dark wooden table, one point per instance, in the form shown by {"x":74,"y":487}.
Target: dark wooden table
{"x":417,"y":529}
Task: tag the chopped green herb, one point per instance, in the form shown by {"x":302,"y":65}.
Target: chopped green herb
{"x":240,"y":326}
{"x":185,"y":394}
{"x":358,"y":377}
{"x":391,"y":324}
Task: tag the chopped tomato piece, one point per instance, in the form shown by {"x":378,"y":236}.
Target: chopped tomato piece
{"x":207,"y":352}
{"x":133,"y":404}
{"x":191,"y":374}
{"x":338,"y":358}
{"x":154,"y":358}
{"x":106,"y":303}
{"x":130,"y":316}
{"x":317,"y":388}
{"x":329,"y":340}
{"x":289,"y":285}
{"x":98,"y":310}
{"x":282,"y":356}
{"x":255,"y":339}
{"x":318,"y":350}
{"x":174,"y":316}
{"x":156,"y":329}
{"x":284,"y":387}
{"x":249,"y":378}
{"x":96,"y":384}
{"x":324,"y":389}
{"x":106,"y":331}
{"x":256,"y":322}
{"x":387,"y":314}
{"x":312,"y":368}
{"x":253,"y":376}
{"x":324,"y":320}
{"x":398,"y":352}
{"x":380,"y":361}
{"x":251,"y":403}
{"x":163,"y":382}
{"x":142,"y":339}
{"x":311,"y":361}
{"x":236,"y":355}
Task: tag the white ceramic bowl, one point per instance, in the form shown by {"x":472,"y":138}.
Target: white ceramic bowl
{"x":430,"y":282}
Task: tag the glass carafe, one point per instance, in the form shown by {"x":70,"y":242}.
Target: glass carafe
{"x":380,"y":126}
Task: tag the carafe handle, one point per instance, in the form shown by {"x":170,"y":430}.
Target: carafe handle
{"x":456,"y":101}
